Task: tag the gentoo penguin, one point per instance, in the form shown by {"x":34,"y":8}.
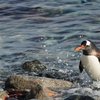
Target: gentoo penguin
{"x":90,"y":60}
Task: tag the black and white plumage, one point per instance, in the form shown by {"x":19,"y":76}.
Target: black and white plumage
{"x":90,"y":60}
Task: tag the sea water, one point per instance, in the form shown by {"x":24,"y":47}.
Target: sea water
{"x":47,"y":30}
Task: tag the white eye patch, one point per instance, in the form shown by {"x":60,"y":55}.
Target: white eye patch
{"x":88,"y":42}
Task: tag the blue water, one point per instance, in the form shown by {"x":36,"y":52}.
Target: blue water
{"x":47,"y":30}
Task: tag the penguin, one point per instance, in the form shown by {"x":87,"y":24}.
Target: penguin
{"x":90,"y":60}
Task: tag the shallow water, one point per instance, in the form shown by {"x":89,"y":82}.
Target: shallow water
{"x":47,"y":30}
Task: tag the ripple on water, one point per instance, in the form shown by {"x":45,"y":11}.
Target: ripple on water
{"x":47,"y":30}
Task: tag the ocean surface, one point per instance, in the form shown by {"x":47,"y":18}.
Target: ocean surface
{"x":47,"y":30}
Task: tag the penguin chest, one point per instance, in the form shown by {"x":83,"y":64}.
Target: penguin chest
{"x":91,"y":65}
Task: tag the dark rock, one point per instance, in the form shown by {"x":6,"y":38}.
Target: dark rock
{"x":79,"y":97}
{"x":17,"y":95}
{"x":35,"y":66}
{"x":54,"y":74}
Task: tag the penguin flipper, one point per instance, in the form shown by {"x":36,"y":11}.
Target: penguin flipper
{"x":99,"y":59}
{"x":80,"y":67}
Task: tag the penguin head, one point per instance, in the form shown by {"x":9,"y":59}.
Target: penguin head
{"x":87,"y":47}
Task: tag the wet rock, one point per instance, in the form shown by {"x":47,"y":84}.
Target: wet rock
{"x":53,"y":73}
{"x":35,"y":66}
{"x":56,"y":74}
{"x":25,"y":82}
{"x":38,"y":87}
{"x":79,"y":97}
{"x":54,"y":83}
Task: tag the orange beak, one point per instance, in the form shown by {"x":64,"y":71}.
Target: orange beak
{"x":79,"y":48}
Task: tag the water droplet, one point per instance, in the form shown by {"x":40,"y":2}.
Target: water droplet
{"x":46,"y":50}
{"x":44,"y":46}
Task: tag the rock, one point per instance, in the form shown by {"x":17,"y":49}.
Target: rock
{"x":35,"y":66}
{"x":3,"y":95}
{"x":79,"y":97}
{"x":25,"y":82}
{"x":56,"y":74}
{"x":38,"y":87}
{"x":53,"y":73}
{"x":54,"y":83}
{"x":19,"y":83}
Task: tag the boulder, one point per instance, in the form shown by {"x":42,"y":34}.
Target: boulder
{"x":18,"y":82}
{"x":34,"y":66}
{"x":38,"y":87}
{"x":26,"y":82}
{"x":54,"y":73}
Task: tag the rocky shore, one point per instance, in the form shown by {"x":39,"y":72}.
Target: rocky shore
{"x":22,"y":87}
{"x":45,"y":85}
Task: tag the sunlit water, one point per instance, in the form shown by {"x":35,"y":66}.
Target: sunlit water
{"x":47,"y":30}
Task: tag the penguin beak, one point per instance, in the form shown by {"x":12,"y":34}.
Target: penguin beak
{"x":79,"y":48}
